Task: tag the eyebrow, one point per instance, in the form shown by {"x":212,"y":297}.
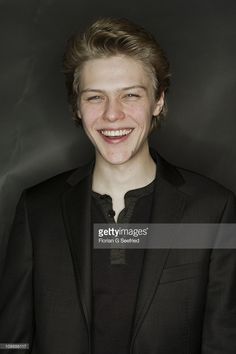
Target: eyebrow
{"x":122,"y":89}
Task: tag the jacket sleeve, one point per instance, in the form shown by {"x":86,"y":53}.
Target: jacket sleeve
{"x":16,"y":294}
{"x":219,"y":328}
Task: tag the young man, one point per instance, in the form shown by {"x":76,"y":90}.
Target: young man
{"x":59,"y":294}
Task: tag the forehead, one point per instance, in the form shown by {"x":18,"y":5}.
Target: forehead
{"x":113,"y":72}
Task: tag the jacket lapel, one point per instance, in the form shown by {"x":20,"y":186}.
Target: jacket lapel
{"x":76,"y":212}
{"x":168,"y":206}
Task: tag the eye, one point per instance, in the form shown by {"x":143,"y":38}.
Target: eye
{"x":132,"y":96}
{"x":95,"y":98}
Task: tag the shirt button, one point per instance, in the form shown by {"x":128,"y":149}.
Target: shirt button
{"x":111,"y":213}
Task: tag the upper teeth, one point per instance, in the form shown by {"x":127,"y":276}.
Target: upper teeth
{"x":116,"y":132}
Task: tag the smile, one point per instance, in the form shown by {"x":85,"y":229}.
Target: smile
{"x":116,"y":133}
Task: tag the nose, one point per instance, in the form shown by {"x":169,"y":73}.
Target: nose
{"x":113,"y":110}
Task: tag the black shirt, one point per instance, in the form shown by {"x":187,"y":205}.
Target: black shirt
{"x":116,"y":274}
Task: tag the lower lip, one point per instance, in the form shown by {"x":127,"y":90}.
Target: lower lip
{"x":115,"y":139}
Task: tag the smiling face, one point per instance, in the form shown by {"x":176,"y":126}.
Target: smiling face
{"x":116,"y":105}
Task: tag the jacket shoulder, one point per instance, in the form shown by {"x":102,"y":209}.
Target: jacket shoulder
{"x":195,"y":183}
{"x":208,"y":200}
{"x":55,"y":186}
{"x":52,"y":185}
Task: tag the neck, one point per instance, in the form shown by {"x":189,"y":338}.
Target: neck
{"x":116,"y":180}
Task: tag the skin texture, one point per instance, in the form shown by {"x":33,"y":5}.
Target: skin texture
{"x":116,"y":93}
{"x":111,"y":106}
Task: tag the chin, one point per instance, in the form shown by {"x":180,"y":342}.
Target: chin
{"x":117,"y":159}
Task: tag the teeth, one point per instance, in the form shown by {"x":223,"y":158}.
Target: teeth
{"x":116,"y":132}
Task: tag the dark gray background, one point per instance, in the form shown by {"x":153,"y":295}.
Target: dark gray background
{"x":38,"y":138}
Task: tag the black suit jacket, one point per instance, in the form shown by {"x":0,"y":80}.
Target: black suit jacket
{"x":187,"y":298}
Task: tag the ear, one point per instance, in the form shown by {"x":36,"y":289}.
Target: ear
{"x":79,"y":114}
{"x":159,"y":105}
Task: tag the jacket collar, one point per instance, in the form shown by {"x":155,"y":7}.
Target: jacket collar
{"x":168,"y":206}
{"x":165,"y":170}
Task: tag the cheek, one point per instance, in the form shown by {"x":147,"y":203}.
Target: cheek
{"x":90,"y":115}
{"x":141,"y":114}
